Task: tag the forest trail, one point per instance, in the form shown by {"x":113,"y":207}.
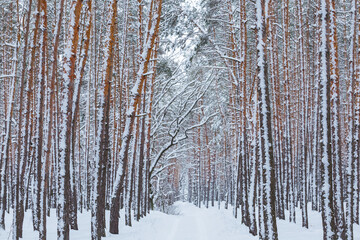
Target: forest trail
{"x":188,"y":222}
{"x":190,"y":225}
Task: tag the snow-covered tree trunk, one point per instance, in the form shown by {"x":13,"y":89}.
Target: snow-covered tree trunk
{"x":66,"y":110}
{"x":242,"y":73}
{"x":39,"y":163}
{"x":303,"y":119}
{"x":141,"y":171}
{"x":19,"y":195}
{"x":288,"y":156}
{"x":357,"y":126}
{"x":267,"y":158}
{"x":275,"y":116}
{"x":254,"y":167}
{"x":102,"y":137}
{"x":129,"y":190}
{"x":350,"y":170}
{"x":326,"y":168}
{"x":335,"y":122}
{"x":147,"y":151}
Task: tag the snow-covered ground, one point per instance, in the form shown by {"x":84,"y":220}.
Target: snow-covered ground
{"x":187,"y":223}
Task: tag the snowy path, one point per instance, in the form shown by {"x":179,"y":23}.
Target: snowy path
{"x":190,"y":223}
{"x":193,"y":223}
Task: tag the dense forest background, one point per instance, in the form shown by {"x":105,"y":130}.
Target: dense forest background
{"x":136,"y":104}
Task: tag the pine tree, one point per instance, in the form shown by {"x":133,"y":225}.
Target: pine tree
{"x":266,"y":151}
{"x":326,"y":168}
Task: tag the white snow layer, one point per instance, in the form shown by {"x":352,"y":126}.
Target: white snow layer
{"x":187,"y":223}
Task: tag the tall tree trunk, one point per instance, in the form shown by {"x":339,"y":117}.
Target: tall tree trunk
{"x":69,"y":74}
{"x":326,"y":168}
{"x":102,"y":139}
{"x":268,"y":184}
{"x":19,"y":196}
